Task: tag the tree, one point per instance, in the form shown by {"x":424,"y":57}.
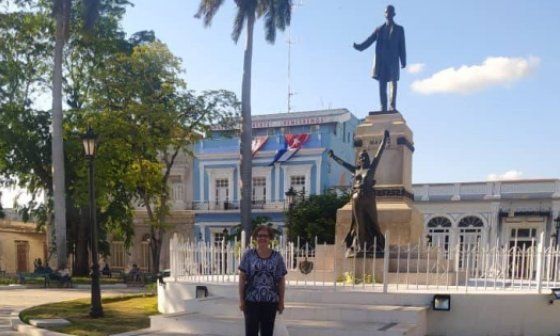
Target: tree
{"x":315,"y":216}
{"x":25,"y":142}
{"x":141,"y":96}
{"x":62,"y":14}
{"x":277,"y":15}
{"x":24,"y":70}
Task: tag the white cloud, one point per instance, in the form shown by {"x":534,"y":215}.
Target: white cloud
{"x":509,"y":175}
{"x":467,"y":79}
{"x":415,"y":68}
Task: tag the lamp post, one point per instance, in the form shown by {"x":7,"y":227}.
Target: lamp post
{"x":290,"y":197}
{"x":557,"y":222}
{"x":90,"y":141}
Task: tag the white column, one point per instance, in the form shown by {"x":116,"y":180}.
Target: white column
{"x":201,"y":178}
{"x":318,"y":190}
{"x":456,"y":192}
{"x":279,"y":190}
{"x":493,"y":223}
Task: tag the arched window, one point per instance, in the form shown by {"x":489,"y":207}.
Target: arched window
{"x":438,"y":232}
{"x":439,"y":221}
{"x":470,"y":233}
{"x":473,"y":221}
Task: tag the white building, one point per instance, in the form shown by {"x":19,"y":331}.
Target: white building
{"x":499,"y":212}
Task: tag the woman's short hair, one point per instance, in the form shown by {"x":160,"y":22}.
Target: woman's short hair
{"x":268,"y":229}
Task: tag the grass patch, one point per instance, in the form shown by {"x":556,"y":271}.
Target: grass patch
{"x":122,"y":314}
{"x":82,"y":280}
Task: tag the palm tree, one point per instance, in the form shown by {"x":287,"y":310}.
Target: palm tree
{"x":61,"y":13}
{"x":277,"y":15}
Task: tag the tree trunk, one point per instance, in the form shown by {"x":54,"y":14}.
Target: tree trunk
{"x":57,"y":140}
{"x":81,"y":237}
{"x":155,"y":248}
{"x":246,"y":132}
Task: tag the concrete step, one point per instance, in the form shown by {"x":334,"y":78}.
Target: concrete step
{"x":318,"y":311}
{"x":201,"y":324}
{"x":356,"y":296}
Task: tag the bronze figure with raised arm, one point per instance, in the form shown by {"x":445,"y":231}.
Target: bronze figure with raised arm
{"x":365,"y":226}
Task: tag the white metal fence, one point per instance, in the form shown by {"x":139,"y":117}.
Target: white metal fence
{"x":515,"y":265}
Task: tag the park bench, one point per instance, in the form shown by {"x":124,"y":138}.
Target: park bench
{"x":25,"y":277}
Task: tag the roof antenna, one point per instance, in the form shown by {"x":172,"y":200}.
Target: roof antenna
{"x":290,"y":42}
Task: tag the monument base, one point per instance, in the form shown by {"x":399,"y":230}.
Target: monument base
{"x":396,"y":215}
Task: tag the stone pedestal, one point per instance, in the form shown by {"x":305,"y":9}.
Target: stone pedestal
{"x":395,"y":201}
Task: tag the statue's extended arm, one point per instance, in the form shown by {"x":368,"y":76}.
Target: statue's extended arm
{"x":341,"y":162}
{"x":380,"y":150}
{"x":364,"y":45}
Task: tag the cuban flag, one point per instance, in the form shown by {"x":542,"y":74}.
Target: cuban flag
{"x":257,"y":143}
{"x":292,"y":144}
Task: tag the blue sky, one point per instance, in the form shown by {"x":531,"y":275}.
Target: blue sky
{"x":470,"y":118}
{"x":508,"y":124}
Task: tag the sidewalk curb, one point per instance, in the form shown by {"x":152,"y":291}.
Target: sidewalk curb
{"x":27,"y":329}
{"x":12,"y":287}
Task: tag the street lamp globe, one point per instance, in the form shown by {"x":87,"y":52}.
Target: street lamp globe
{"x":89,"y":141}
{"x":290,"y":195}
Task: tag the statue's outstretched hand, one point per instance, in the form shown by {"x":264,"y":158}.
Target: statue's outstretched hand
{"x":386,"y":135}
{"x":356,"y":46}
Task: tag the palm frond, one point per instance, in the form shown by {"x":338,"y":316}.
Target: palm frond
{"x":277,"y":15}
{"x":91,"y":12}
{"x":238,"y":24}
{"x":270,"y":22}
{"x":207,"y":9}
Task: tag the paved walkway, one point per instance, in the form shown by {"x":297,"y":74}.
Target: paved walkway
{"x":16,"y":300}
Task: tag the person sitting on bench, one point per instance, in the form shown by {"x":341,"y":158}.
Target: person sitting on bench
{"x":106,"y":271}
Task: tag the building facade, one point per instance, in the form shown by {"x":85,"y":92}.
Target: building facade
{"x":179,"y":221}
{"x":290,"y":150}
{"x":20,"y":244}
{"x":499,"y":213}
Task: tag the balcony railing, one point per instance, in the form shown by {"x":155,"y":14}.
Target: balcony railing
{"x":230,"y":205}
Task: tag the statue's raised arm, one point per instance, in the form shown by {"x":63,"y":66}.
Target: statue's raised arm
{"x":341,"y":162}
{"x":377,"y":157}
{"x":380,"y":151}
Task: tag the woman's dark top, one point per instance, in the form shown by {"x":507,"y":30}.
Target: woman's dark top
{"x":263,"y":276}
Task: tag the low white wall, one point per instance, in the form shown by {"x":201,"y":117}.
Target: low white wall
{"x":497,"y":314}
{"x":472,"y":314}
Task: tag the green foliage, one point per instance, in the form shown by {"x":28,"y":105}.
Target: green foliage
{"x":147,"y":121}
{"x":121,"y":314}
{"x":132,"y":94}
{"x":349,"y":279}
{"x":315,"y":216}
{"x":277,"y":14}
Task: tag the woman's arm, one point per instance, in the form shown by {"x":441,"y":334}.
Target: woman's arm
{"x":281,"y":291}
{"x":242,"y":280}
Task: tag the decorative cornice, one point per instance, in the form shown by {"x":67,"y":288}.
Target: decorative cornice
{"x":260,"y":155}
{"x":404,"y":141}
{"x":391,"y":192}
{"x":383,"y":112}
{"x":533,"y":213}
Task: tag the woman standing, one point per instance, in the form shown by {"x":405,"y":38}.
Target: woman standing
{"x":261,"y":284}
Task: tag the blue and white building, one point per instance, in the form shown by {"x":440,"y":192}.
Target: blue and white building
{"x":216,"y":179}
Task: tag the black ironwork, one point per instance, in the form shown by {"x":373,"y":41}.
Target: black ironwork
{"x":96,"y":309}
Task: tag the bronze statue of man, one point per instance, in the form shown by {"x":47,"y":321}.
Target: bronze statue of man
{"x":365,"y":226}
{"x":389,"y":49}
